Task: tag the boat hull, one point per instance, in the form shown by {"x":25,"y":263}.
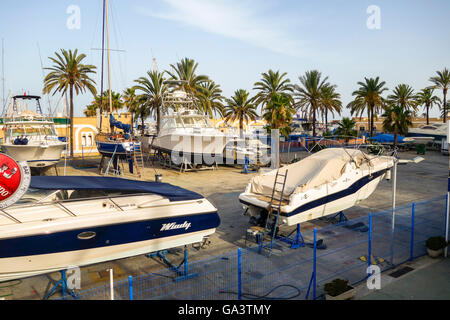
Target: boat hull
{"x":42,"y":253}
{"x":198,"y":149}
{"x":325,"y":205}
{"x":36,"y":156}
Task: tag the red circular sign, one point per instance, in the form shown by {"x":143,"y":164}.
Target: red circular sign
{"x":14,"y":180}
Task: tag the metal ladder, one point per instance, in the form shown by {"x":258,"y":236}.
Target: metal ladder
{"x":138,"y":159}
{"x":275,"y":205}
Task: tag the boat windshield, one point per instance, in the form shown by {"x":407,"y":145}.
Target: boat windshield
{"x":45,"y":196}
{"x":195,"y":121}
{"x":30,"y":130}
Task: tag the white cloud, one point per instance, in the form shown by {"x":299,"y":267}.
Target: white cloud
{"x":252,"y":22}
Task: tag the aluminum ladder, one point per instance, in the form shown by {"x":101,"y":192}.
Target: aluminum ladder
{"x":274,"y":208}
{"x":138,"y":159}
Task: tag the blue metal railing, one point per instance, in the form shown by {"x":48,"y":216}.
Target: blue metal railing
{"x":248,"y":273}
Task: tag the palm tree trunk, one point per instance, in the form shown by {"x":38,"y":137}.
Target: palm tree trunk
{"x":241,"y":127}
{"x":445,"y":105}
{"x":314,"y":121}
{"x":395,"y":139}
{"x":158,"y":119}
{"x":428,"y":118}
{"x":142,"y":125}
{"x":71,"y":139}
{"x":371,"y":121}
{"x":368,"y":119}
{"x":326,"y":120}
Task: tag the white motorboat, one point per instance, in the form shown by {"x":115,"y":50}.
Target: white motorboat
{"x":187,"y":135}
{"x":436,"y":130}
{"x":30,"y":136}
{"x":67,"y":221}
{"x":324,"y":183}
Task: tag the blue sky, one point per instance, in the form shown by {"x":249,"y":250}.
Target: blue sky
{"x":233,"y":41}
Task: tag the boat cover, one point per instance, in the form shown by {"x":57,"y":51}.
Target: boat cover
{"x":319,"y":168}
{"x":173,"y":193}
{"x":119,"y":125}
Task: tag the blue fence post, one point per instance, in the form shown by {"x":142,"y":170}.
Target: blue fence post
{"x":369,"y":257}
{"x":130,"y":285}
{"x":411,"y":247}
{"x":239,"y":274}
{"x":314,"y":264}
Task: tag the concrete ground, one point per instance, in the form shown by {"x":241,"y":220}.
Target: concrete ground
{"x":222,"y":186}
{"x":430,"y":280}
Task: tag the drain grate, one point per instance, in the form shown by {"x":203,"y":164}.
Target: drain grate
{"x":401,"y":272}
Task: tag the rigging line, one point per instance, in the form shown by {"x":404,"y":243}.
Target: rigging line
{"x":121,"y":79}
{"x":43,"y":75}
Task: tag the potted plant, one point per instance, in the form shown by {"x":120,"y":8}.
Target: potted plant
{"x":339,"y":289}
{"x":435,"y":246}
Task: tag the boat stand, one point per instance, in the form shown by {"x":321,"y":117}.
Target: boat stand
{"x":342,"y":218}
{"x":183,"y":273}
{"x":295,"y":242}
{"x":63,"y":283}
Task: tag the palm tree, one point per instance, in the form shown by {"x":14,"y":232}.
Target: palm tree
{"x":153,"y":88}
{"x":241,"y":108}
{"x":68,"y":74}
{"x":115,"y":99}
{"x":404,"y":96}
{"x":272,"y":83}
{"x":346,"y":128}
{"x":131,"y":101}
{"x":330,"y":101}
{"x":309,"y":93}
{"x":442,"y":81}
{"x":210,"y":98}
{"x":426,"y":97}
{"x":279,"y":112}
{"x":185,"y":71}
{"x":397,"y":120}
{"x":368,"y":97}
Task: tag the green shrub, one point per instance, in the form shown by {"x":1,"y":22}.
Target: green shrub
{"x":436,"y":243}
{"x":375,"y":148}
{"x":336,"y":287}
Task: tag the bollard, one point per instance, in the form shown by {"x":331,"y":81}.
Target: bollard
{"x":239,"y":274}
{"x":130,"y":285}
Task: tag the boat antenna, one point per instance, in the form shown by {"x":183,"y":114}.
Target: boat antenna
{"x":43,"y":76}
{"x":101,"y":76}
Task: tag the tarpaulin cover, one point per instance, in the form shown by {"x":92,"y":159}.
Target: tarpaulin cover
{"x":387,"y":138}
{"x":125,"y":127}
{"x":317,"y":169}
{"x":172,"y":192}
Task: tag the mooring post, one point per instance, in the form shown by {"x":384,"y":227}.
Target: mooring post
{"x":411,"y":250}
{"x":239,"y":274}
{"x":130,"y":285}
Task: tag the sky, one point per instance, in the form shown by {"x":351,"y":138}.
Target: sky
{"x":233,"y":41}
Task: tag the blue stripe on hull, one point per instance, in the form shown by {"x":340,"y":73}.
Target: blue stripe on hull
{"x":355,"y":187}
{"x":108,"y":148}
{"x":105,"y":235}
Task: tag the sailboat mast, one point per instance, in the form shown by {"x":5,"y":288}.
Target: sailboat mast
{"x":108,"y":58}
{"x":101,"y":75}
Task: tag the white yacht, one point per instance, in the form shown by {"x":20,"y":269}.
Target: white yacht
{"x":31,"y":136}
{"x":435,"y":130}
{"x":186,"y":134}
